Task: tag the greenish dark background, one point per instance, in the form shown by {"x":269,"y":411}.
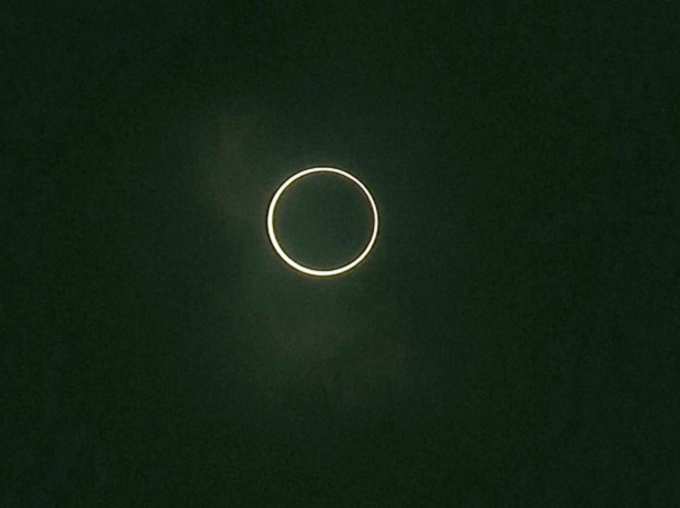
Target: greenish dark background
{"x":512,"y":340}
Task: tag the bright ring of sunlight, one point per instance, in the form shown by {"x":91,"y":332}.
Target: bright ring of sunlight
{"x":295,"y":264}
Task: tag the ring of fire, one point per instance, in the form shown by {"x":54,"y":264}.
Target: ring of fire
{"x":305,"y":269}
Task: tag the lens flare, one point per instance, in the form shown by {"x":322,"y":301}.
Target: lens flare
{"x":294,"y":264}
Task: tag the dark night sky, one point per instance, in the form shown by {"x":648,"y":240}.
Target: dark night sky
{"x":511,"y":341}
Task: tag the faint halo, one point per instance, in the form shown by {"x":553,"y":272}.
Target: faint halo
{"x":291,"y":262}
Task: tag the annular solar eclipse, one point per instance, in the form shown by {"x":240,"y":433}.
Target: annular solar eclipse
{"x":271,"y":229}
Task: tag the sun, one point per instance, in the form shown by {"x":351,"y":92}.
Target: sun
{"x":305,"y":269}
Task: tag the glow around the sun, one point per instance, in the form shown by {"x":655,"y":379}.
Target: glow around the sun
{"x":291,"y":262}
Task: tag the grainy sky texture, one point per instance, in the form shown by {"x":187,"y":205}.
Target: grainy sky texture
{"x":512,"y":340}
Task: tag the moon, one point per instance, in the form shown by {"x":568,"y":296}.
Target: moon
{"x":300,"y":267}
